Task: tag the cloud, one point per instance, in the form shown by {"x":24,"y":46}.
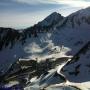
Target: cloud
{"x":34,"y":2}
{"x":75,"y":3}
{"x":72,"y":3}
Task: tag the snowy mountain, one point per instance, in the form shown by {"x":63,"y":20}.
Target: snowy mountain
{"x":50,"y":54}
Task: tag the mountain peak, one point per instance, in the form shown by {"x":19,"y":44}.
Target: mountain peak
{"x":54,"y":14}
{"x":53,"y":18}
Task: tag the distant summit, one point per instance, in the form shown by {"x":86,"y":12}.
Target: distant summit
{"x":51,"y":19}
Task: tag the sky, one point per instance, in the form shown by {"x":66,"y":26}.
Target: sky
{"x":25,"y":13}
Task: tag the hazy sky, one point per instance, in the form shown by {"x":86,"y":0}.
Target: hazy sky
{"x":25,"y":13}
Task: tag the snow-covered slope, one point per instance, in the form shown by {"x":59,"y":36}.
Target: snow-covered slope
{"x":78,"y":69}
{"x":46,"y":43}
